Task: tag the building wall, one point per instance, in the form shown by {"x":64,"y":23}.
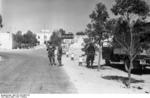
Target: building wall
{"x":42,"y":37}
{"x":6,"y":41}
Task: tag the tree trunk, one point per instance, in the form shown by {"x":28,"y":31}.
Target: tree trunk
{"x":131,"y":52}
{"x":129,"y":74}
{"x":99,"y":58}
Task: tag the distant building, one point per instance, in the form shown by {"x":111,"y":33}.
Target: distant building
{"x":43,"y":36}
{"x":79,"y":40}
{"x":6,"y":41}
{"x":68,"y":38}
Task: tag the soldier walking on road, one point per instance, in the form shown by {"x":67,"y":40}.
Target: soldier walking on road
{"x":51,"y":55}
{"x":90,"y":52}
{"x":59,"y":55}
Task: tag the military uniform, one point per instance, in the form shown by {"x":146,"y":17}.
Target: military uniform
{"x":90,"y":52}
{"x":59,"y":55}
{"x":51,"y":54}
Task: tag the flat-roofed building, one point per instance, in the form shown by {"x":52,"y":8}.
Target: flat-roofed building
{"x":43,"y":36}
{"x":6,"y":41}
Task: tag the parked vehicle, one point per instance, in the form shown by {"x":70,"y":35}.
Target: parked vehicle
{"x":112,"y":53}
{"x":118,"y":55}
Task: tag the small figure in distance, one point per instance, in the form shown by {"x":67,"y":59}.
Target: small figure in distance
{"x":67,"y":54}
{"x":72,"y":56}
{"x":80,"y":60}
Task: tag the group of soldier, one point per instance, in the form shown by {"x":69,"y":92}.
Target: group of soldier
{"x":54,"y":54}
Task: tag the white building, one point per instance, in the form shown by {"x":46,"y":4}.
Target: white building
{"x":6,"y":41}
{"x":79,"y":40}
{"x":43,"y":36}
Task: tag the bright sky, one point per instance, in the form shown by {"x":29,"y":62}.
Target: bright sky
{"x":35,"y":15}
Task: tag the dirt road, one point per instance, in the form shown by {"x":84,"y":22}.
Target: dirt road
{"x":29,"y":72}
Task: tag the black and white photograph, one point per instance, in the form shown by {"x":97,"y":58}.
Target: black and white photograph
{"x":74,"y":47}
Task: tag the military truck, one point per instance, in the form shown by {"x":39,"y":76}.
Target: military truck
{"x":113,"y":54}
{"x":118,"y":55}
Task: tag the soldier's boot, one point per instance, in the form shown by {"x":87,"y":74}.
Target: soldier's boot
{"x":87,"y":62}
{"x":59,"y":63}
{"x":91,"y":63}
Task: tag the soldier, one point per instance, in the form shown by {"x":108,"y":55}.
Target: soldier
{"x":59,"y":55}
{"x":90,"y":52}
{"x":51,"y":56}
{"x":48,"y":45}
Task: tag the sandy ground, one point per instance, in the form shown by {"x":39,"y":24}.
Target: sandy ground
{"x":107,"y":80}
{"x":85,"y":80}
{"x":28,"y":71}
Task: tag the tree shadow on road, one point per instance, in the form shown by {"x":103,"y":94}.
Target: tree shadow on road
{"x":122,"y":79}
{"x":121,"y":67}
{"x":102,"y":67}
{"x":135,"y":71}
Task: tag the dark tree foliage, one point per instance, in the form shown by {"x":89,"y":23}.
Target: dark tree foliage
{"x":61,"y":31}
{"x":29,"y":38}
{"x":25,"y":40}
{"x":98,"y":21}
{"x":18,"y":37}
{"x":131,"y":6}
{"x":80,"y":33}
{"x":130,"y":31}
{"x":56,"y":37}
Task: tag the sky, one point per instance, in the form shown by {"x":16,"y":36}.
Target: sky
{"x":35,"y":15}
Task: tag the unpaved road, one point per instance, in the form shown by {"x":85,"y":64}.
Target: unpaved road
{"x":29,"y":72}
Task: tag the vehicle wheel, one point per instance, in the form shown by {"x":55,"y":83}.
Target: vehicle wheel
{"x":107,"y":62}
{"x":137,"y":65}
{"x":138,"y":68}
{"x":141,"y":68}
